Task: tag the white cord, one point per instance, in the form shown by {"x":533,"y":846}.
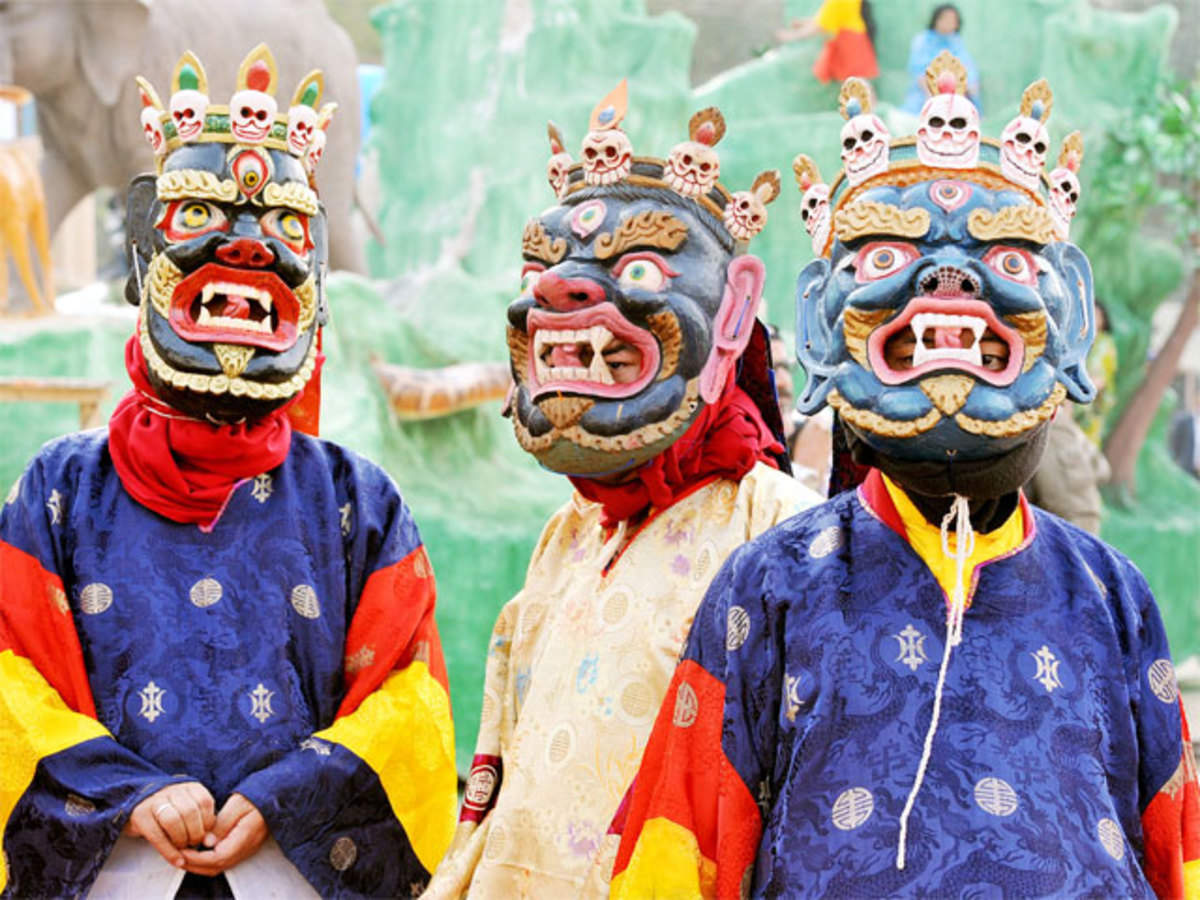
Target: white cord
{"x":964,"y":545}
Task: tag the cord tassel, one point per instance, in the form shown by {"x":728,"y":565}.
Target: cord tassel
{"x":959,"y":517}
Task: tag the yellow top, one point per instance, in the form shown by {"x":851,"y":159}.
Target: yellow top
{"x":841,"y":15}
{"x":577,"y":667}
{"x":926,"y":539}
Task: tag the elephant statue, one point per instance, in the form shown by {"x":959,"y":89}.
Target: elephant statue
{"x":23,"y":214}
{"x":80,"y":59}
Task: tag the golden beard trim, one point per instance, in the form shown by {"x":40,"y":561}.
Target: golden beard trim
{"x":563,"y":412}
{"x":233,"y":358}
{"x":634,"y":440}
{"x":857,"y":325}
{"x":948,"y":392}
{"x":881,"y":425}
{"x":222,"y":384}
{"x":1016,"y":423}
{"x":1032,"y":328}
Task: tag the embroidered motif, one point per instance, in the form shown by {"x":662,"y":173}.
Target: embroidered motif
{"x":95,"y":598}
{"x":305,"y":602}
{"x":343,"y":853}
{"x":687,"y":706}
{"x":58,"y":598}
{"x":77,"y":806}
{"x":826,"y":542}
{"x":260,"y":703}
{"x":205,"y":592}
{"x":793,"y":697}
{"x":1047,"y":669}
{"x":561,"y":745}
{"x":1111,"y":837}
{"x":996,"y":796}
{"x":345,"y":511}
{"x":912,"y":647}
{"x":54,"y":504}
{"x":152,"y":702}
{"x":359,"y":659}
{"x":1161,"y":676}
{"x":852,"y":808}
{"x":737,"y":628}
{"x":316,"y":746}
{"x":264,"y":487}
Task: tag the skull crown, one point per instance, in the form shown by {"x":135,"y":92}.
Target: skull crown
{"x":691,"y":169}
{"x":948,"y":145}
{"x":252,"y":116}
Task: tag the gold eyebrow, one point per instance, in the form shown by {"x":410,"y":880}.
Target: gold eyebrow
{"x":199,"y":183}
{"x":652,"y":228}
{"x":293,"y":195}
{"x":866,"y":217}
{"x":1025,"y":222}
{"x":536,"y":242}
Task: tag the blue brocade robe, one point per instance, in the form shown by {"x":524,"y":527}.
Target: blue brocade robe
{"x":789,"y":741}
{"x":290,"y":655}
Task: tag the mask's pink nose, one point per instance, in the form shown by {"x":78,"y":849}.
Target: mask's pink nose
{"x":566,"y":294}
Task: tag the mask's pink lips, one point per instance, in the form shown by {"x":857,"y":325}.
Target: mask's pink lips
{"x":929,"y":312}
{"x":567,"y":335}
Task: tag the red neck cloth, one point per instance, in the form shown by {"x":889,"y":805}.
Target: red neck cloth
{"x":185,"y":468}
{"x":725,"y":441}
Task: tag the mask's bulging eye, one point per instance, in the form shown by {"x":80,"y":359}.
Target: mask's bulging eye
{"x":643,"y":272}
{"x":288,"y":226}
{"x":189,"y":218}
{"x":529,"y":277}
{"x":1013,"y":264}
{"x":879,"y":260}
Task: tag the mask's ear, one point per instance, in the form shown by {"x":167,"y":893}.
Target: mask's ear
{"x":813,"y":344}
{"x":141,"y":237}
{"x":318,"y":228}
{"x":734,"y":323}
{"x":1077,"y":321}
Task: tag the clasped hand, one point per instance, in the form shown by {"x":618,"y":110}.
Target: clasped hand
{"x":181,"y":817}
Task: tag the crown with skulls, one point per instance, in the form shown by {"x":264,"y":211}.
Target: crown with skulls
{"x":948,"y":144}
{"x":691,"y":169}
{"x":251,"y":117}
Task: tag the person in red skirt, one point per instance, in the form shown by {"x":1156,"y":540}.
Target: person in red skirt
{"x":850,"y":49}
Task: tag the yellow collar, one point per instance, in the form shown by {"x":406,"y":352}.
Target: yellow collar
{"x":926,"y":540}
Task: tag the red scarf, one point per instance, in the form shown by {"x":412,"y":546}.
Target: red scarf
{"x":183,"y":468}
{"x":725,"y":441}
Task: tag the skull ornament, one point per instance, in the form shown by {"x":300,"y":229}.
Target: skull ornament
{"x":1025,"y":141}
{"x":865,"y":138}
{"x":692,"y":168}
{"x":302,"y":114}
{"x":607,"y":151}
{"x":1064,"y":185}
{"x":302,"y":124}
{"x":251,"y":115}
{"x":188,"y":109}
{"x":814,"y":201}
{"x":948,"y":136}
{"x":864,"y":148}
{"x":152,"y":128}
{"x":607,"y":156}
{"x":559,"y":166}
{"x":746,"y":213}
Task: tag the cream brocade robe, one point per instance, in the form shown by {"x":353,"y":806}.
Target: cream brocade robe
{"x":577,"y":666}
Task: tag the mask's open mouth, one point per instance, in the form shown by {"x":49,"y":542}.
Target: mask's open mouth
{"x":595,"y":352}
{"x":221,"y":304}
{"x":946,"y":334}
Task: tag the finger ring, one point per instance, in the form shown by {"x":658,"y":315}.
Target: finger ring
{"x":160,"y":808}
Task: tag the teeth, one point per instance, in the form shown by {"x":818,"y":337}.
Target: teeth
{"x":212,"y":288}
{"x":597,"y":336}
{"x":922,"y":354}
{"x":239,"y":324}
